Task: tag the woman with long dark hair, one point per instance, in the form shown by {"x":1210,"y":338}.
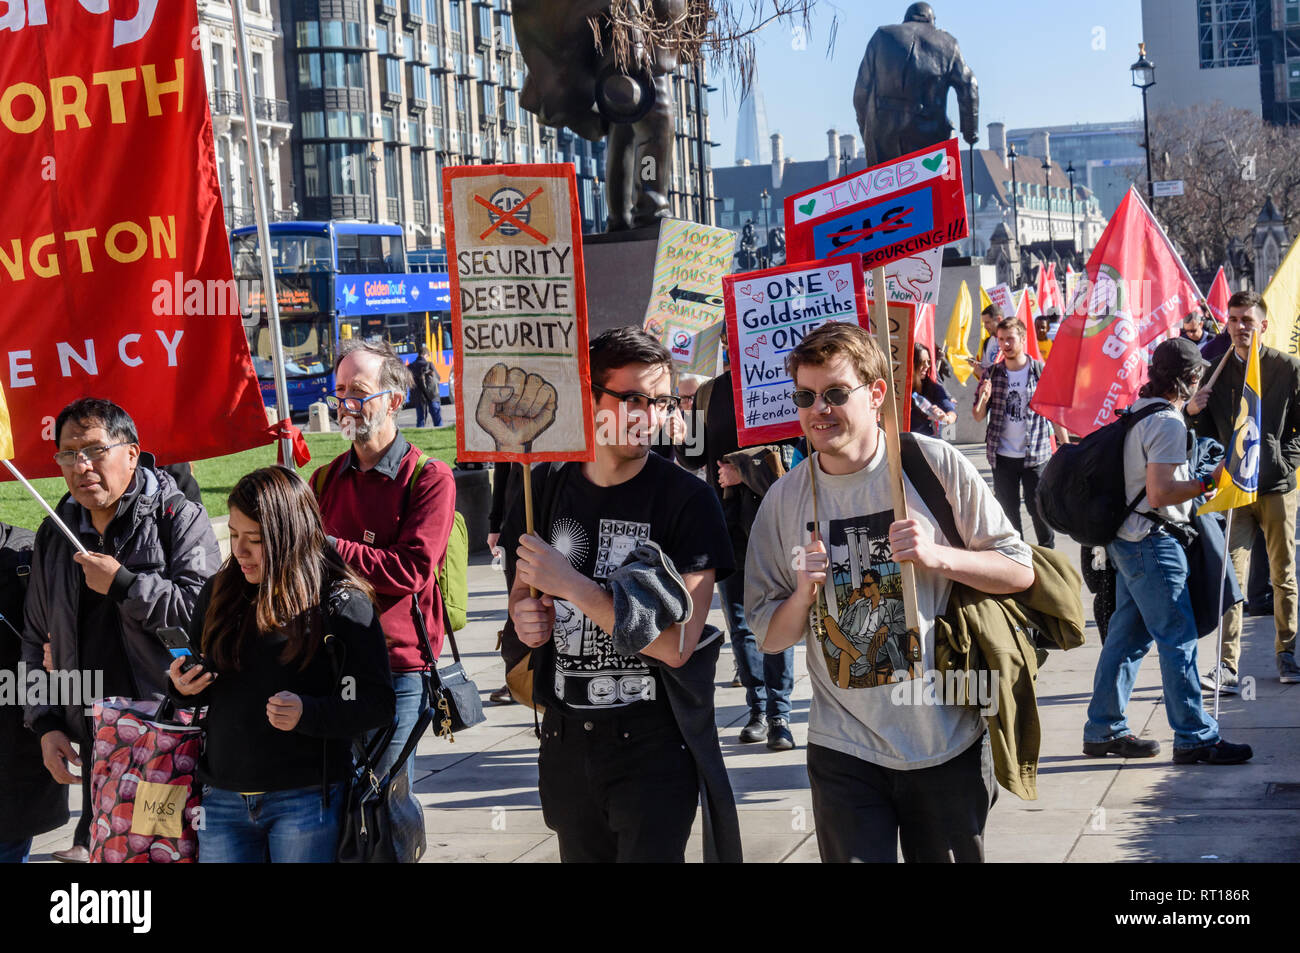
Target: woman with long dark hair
{"x":295,"y":667}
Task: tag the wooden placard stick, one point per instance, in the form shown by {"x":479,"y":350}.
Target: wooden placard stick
{"x":528,"y":511}
{"x":889,"y":416}
{"x":1219,"y":370}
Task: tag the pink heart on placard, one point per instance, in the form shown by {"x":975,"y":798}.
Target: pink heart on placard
{"x":758,"y":299}
{"x":761,"y":339}
{"x":744,"y":289}
{"x":752,"y":351}
{"x":834,"y":273}
{"x":841,"y":285}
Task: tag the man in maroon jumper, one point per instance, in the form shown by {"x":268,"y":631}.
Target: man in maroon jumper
{"x":392,"y":532}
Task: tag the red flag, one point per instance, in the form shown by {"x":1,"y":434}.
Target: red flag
{"x":115,"y":277}
{"x":924,"y":334}
{"x":1025,"y":312}
{"x":1049,"y":291}
{"x":1218,"y":299}
{"x":1135,"y":292}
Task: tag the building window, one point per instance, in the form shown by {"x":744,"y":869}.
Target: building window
{"x":308,"y":33}
{"x":419,"y":182}
{"x":309,"y":71}
{"x":454,"y":20}
{"x":347,"y":165}
{"x":392,"y":171}
{"x":313,"y":125}
{"x":218,"y":67}
{"x":419,"y":83}
{"x":1226,"y":31}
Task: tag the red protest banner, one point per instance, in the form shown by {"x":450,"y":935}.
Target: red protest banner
{"x":115,"y":276}
{"x":891,"y":211}
{"x":1217,"y":302}
{"x":519,"y":313}
{"x":1135,"y":294}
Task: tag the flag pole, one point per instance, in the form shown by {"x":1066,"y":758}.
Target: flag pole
{"x":72,"y":537}
{"x":260,"y":199}
{"x":1223,"y":578}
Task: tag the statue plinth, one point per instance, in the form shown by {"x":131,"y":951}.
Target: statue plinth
{"x":620,"y":276}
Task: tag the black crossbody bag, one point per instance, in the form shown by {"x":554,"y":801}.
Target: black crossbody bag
{"x":450,"y":691}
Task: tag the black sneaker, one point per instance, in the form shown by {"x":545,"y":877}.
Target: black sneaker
{"x":778,"y":735}
{"x":1126,"y":746}
{"x":755,"y":731}
{"x":1221,"y":752}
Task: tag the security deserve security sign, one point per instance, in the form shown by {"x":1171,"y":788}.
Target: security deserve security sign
{"x":685,"y":307}
{"x":768,"y":313}
{"x":886,"y":213}
{"x":519,"y":313}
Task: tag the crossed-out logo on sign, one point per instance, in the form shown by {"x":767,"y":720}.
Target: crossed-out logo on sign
{"x":74,"y":906}
{"x":507,"y":199}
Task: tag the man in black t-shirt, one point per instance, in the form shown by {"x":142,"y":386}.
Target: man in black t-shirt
{"x":616,"y":778}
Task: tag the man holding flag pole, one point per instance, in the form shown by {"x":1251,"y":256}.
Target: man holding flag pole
{"x":1239,"y":480}
{"x":1214,"y":411}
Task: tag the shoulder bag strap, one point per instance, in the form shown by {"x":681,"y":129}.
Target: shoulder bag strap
{"x":921,"y":475}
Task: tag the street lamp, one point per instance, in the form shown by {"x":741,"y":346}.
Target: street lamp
{"x":764,"y":199}
{"x":1047,"y":179}
{"x":1069,"y":170}
{"x":373,"y":161}
{"x":1144,"y":77}
{"x":845,"y":158}
{"x":1015,"y":200}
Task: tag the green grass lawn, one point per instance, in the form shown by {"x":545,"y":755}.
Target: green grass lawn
{"x":218,"y":476}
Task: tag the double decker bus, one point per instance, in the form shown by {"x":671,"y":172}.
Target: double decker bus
{"x":337,"y":281}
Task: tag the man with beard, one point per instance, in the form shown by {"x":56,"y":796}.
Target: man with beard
{"x":388,"y":509}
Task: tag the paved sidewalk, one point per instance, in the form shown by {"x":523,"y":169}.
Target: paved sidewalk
{"x":480,"y":792}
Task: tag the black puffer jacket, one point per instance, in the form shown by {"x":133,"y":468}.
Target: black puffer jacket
{"x":167,"y":550}
{"x":31,"y":801}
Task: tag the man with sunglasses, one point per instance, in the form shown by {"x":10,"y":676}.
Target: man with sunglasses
{"x":388,"y":523}
{"x":619,"y":779}
{"x":149,"y":551}
{"x":824,"y":568}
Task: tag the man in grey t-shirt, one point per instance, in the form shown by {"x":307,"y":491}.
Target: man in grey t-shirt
{"x":1152,"y":604}
{"x":880,"y":769}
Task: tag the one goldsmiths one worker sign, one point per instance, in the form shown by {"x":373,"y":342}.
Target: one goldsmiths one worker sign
{"x":519,"y":310}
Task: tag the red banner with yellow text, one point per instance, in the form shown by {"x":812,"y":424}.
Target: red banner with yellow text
{"x":115,"y":277}
{"x":1135,"y":292}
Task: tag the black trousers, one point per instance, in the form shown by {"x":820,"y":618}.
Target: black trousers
{"x":620,"y":789}
{"x":864,"y":812}
{"x":1009,"y":475}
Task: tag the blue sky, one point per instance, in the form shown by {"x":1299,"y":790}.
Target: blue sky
{"x":1037,"y":64}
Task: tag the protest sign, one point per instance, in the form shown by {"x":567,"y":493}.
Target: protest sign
{"x":891,"y":211}
{"x":914,"y":278}
{"x":519,"y":313}
{"x":115,"y":273}
{"x":1002,"y":296}
{"x":902,"y":341}
{"x":685,"y":308}
{"x":769,"y":312}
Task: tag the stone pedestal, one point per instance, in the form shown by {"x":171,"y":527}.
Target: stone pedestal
{"x":318,"y":418}
{"x":620,"y":276}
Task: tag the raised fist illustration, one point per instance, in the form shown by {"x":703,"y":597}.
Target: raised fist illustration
{"x":515,"y":407}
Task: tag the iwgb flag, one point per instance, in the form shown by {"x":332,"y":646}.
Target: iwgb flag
{"x":1135,"y":292}
{"x":1239,"y":482}
{"x":115,"y":276}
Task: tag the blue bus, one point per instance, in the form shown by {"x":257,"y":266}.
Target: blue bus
{"x":337,"y":281}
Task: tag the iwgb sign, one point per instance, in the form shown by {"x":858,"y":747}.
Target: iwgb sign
{"x":896,"y":210}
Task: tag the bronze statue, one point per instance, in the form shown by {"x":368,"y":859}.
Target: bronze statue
{"x":747,"y":255}
{"x":902,"y":88}
{"x":572,"y":83}
{"x":776,"y":247}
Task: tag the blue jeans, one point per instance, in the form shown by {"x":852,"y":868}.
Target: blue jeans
{"x":15,"y":851}
{"x":1151,"y":605}
{"x":434,"y":409}
{"x":279,"y":827}
{"x":409,"y":687}
{"x":768,"y":679}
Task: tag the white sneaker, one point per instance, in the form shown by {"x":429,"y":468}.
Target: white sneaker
{"x":1222,"y":678}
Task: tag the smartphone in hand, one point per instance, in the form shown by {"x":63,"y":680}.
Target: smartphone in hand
{"x":178,"y":643}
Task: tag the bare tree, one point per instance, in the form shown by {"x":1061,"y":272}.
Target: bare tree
{"x":1230,"y":160}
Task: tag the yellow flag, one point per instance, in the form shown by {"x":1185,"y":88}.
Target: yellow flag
{"x":957,"y":339}
{"x":1282,"y":299}
{"x":6,"y":430}
{"x":1239,"y":481}
{"x":985,"y":300}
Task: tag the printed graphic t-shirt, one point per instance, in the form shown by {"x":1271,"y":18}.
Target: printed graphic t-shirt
{"x":1016,"y":414}
{"x":861,"y":654}
{"x":597,"y":528}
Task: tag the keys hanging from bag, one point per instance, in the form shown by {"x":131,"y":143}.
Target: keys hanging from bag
{"x":451,"y":692}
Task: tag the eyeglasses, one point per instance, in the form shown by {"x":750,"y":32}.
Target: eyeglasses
{"x":352,"y":405}
{"x":834,"y":396}
{"x":667,"y":404}
{"x":69,"y":458}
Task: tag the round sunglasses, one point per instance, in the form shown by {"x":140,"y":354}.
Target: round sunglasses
{"x":835,"y":396}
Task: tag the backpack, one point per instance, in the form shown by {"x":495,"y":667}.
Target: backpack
{"x":453,"y":574}
{"x":1082,"y":492}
